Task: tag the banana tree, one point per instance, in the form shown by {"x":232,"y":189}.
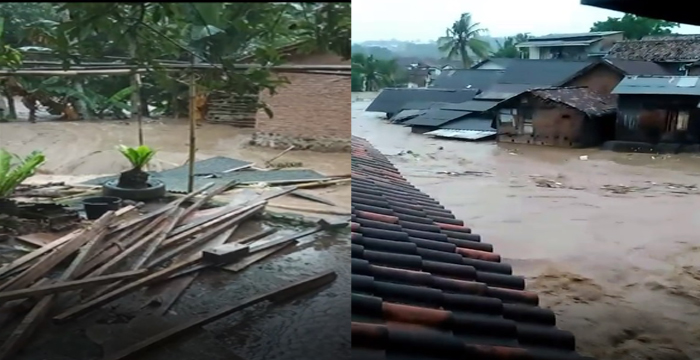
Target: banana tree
{"x":13,"y":171}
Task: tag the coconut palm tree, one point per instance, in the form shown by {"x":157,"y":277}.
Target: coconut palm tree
{"x":507,"y":49}
{"x":461,"y":40}
{"x":375,"y":73}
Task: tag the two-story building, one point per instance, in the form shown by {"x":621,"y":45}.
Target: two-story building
{"x":571,"y":46}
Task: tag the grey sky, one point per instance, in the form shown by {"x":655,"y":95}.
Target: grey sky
{"x":427,"y":20}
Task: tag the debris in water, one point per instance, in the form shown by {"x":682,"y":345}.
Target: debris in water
{"x":463,"y":173}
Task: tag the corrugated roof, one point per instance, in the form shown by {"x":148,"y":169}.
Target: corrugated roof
{"x":470,"y":123}
{"x":436,"y":117}
{"x":658,"y":85}
{"x":503,"y":62}
{"x":472,"y":105}
{"x":504,"y":91}
{"x":681,"y":50}
{"x":543,"y":43}
{"x":637,"y":67}
{"x":392,"y":100}
{"x":542,"y":72}
{"x":404,"y":115}
{"x":592,"y":34}
{"x":462,"y":134}
{"x":424,"y":287}
{"x":466,"y":78}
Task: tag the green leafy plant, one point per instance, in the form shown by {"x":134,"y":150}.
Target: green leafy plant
{"x":137,"y":156}
{"x":15,"y":169}
{"x":135,"y":178}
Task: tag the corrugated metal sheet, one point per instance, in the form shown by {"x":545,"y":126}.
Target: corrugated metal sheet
{"x":470,"y":123}
{"x":466,"y":79}
{"x":436,"y":117}
{"x":462,"y":134}
{"x":658,"y":85}
{"x":404,"y":115}
{"x":473,"y":105}
{"x":557,"y":43}
{"x":505,"y":91}
{"x":392,"y":100}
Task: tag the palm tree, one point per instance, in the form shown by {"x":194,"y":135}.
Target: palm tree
{"x":374,"y":73}
{"x":507,"y":48}
{"x":462,"y":39}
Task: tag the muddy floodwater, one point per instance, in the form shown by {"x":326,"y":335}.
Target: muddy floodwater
{"x":610,"y":241}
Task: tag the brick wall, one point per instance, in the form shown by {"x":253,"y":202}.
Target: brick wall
{"x":312,"y":107}
{"x":601,"y":79}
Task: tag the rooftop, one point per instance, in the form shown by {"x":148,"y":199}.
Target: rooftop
{"x":425,"y":287}
{"x":392,"y":100}
{"x":466,"y":79}
{"x":581,"y":98}
{"x":542,"y":72}
{"x":682,"y":49}
{"x":659,"y":85}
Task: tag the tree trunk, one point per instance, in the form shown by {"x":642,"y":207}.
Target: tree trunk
{"x":80,"y":105}
{"x":11,"y":108}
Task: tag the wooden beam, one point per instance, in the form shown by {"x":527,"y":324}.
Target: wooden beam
{"x":38,"y":252}
{"x":297,"y":288}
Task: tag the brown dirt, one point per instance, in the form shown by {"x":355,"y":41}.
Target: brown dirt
{"x":610,"y":242}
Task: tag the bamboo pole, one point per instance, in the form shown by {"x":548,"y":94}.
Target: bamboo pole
{"x":193,"y":95}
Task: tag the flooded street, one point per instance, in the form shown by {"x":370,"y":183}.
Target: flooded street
{"x":609,"y":240}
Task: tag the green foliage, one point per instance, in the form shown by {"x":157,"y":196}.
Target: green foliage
{"x":635,"y":27}
{"x":13,"y":173}
{"x":9,"y":56}
{"x":373,"y":73}
{"x":137,"y":156}
{"x":507,"y":49}
{"x":462,"y":40}
{"x":18,"y":14}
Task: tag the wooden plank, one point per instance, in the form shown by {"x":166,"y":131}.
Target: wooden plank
{"x":26,"y":328}
{"x":311,"y":210}
{"x":155,"y":244}
{"x":256,"y":257}
{"x":38,"y":252}
{"x":68,"y":285}
{"x":194,"y":207}
{"x":243,"y":214}
{"x":312,"y":197}
{"x":294,"y":289}
{"x":42,"y":238}
{"x":225,"y":253}
{"x":82,"y":309}
{"x":42,"y":267}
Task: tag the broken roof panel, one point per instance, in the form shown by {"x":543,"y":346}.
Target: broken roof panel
{"x":392,"y":100}
{"x":466,"y":79}
{"x":682,"y":49}
{"x":470,"y":123}
{"x":404,"y":115}
{"x":462,"y":134}
{"x":425,"y":287}
{"x":436,"y":117}
{"x":658,"y":85}
{"x":581,"y":98}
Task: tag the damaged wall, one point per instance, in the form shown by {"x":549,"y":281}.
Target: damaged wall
{"x":312,"y":112}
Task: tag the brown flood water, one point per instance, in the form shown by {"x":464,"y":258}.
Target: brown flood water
{"x":621,"y":270}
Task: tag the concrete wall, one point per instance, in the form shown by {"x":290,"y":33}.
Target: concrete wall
{"x":312,"y":112}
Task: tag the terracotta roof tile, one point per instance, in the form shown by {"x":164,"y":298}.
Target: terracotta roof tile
{"x":581,"y":98}
{"x":666,"y":50}
{"x":425,"y":287}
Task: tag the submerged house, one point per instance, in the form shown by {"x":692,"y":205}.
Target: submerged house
{"x":658,"y":109}
{"x":470,"y":120}
{"x":567,"y":117}
{"x":571,"y":46}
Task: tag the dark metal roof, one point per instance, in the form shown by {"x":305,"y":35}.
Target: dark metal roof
{"x":671,"y":10}
{"x":392,"y":100}
{"x":472,"y":105}
{"x":682,"y":49}
{"x":404,"y":115}
{"x":466,"y":78}
{"x":425,"y":287}
{"x":503,"y":62}
{"x":658,"y":85}
{"x":505,"y":91}
{"x":471,"y":123}
{"x":635,"y":67}
{"x":436,"y":117}
{"x":542,"y":72}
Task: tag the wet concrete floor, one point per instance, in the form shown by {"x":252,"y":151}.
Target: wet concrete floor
{"x":609,"y":240}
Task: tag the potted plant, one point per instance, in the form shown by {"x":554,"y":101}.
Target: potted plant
{"x":135,"y":183}
{"x":13,"y":173}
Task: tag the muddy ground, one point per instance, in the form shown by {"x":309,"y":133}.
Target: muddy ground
{"x":609,"y":240}
{"x":284,"y":331}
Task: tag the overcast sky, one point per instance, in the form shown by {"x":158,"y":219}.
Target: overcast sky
{"x":411,"y":20}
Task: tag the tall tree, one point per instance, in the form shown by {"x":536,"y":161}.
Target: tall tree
{"x":462,"y":40}
{"x":507,"y":49}
{"x":635,"y":27}
{"x":374,"y":73}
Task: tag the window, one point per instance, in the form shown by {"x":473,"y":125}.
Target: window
{"x":506,"y":116}
{"x":682,"y":122}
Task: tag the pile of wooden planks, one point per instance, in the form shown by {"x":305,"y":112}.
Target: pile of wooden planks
{"x":123,"y":252}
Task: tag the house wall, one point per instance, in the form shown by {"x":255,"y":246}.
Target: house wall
{"x":311,"y":112}
{"x":601,"y":79}
{"x":567,"y":52}
{"x":552,"y":125}
{"x":653,"y":119}
{"x":534,"y":53}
